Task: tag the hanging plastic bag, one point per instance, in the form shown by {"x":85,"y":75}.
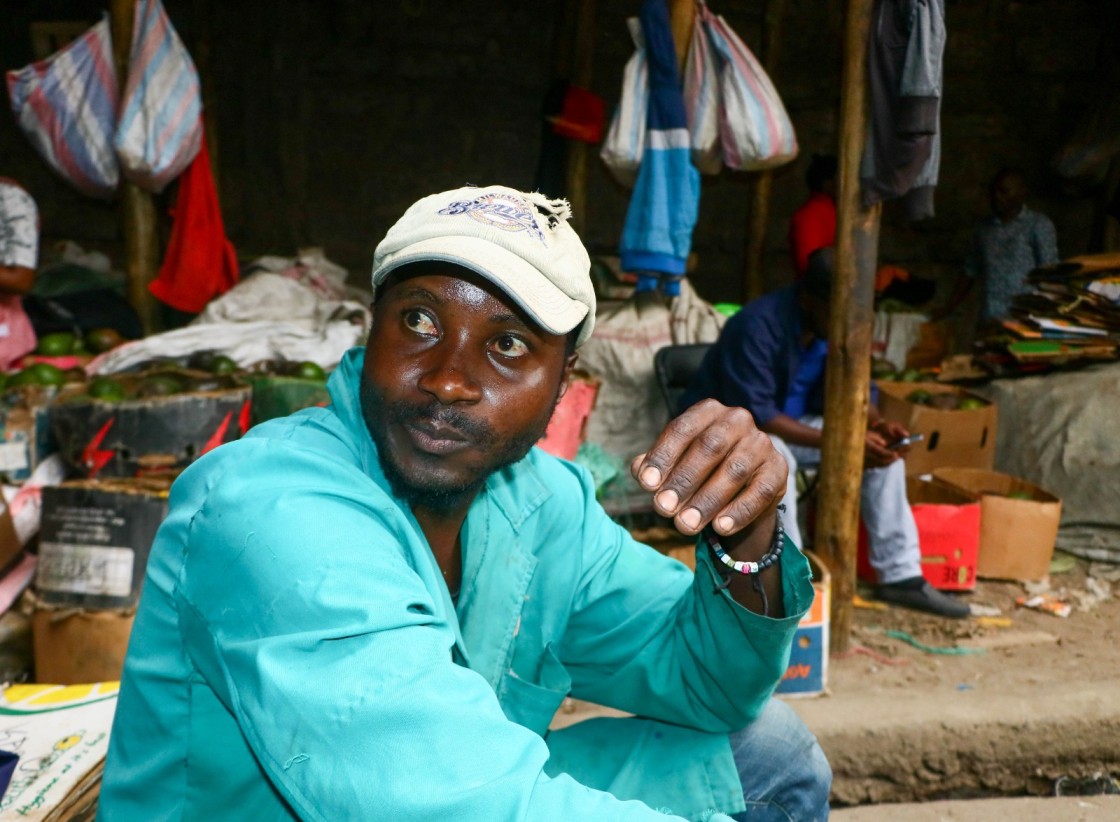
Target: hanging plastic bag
{"x":702,"y":103}
{"x":626,"y":139}
{"x":755,"y":130}
{"x":160,"y":129}
{"x":67,"y":107}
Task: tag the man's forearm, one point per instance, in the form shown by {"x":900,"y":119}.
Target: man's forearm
{"x":793,"y":431}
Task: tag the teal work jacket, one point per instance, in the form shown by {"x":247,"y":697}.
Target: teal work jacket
{"x":296,"y":653}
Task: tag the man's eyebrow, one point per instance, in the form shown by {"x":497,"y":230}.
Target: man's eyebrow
{"x":417,"y":292}
{"x":508,"y":317}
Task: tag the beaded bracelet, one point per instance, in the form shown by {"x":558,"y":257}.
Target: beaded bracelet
{"x":748,"y":568}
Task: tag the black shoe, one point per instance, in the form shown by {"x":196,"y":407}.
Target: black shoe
{"x":923,"y":597}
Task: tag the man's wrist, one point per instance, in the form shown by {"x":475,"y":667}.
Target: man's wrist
{"x":754,"y":541}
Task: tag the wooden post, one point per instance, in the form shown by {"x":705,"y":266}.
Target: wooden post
{"x":579,"y":151}
{"x":682,"y":19}
{"x":754,"y":281}
{"x":138,"y":212}
{"x":848,"y":375}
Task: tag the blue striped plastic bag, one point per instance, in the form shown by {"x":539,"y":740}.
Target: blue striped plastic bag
{"x":702,"y":103}
{"x":160,"y":128}
{"x":67,"y":107}
{"x":755,"y":130}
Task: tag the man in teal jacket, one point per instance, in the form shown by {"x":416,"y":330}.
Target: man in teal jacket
{"x":373,"y":610}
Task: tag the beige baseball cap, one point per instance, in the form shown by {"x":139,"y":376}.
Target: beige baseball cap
{"x":520,"y":241}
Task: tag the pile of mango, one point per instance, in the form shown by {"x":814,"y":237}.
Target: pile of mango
{"x":944,"y":400}
{"x":61,"y":344}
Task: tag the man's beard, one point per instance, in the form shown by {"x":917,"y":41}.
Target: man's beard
{"x":431,"y":492}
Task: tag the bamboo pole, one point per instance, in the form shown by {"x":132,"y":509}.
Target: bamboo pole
{"x":754,"y":281}
{"x":848,"y":374}
{"x":579,"y":151}
{"x":138,"y":211}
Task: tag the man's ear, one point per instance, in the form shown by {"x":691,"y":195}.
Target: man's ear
{"x":566,"y":376}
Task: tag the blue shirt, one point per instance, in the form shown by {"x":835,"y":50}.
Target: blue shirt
{"x":1003,"y":254}
{"x":753,"y":362}
{"x":296,"y":653}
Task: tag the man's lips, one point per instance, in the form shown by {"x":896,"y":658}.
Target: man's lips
{"x":436,"y":438}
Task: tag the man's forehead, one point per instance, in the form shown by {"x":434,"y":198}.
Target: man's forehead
{"x":447,"y":283}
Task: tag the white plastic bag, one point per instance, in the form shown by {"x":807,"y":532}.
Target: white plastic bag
{"x":626,"y":138}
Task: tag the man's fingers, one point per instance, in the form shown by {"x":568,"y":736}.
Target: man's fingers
{"x":652,"y":468}
{"x":728,"y":482}
{"x":729,"y":503}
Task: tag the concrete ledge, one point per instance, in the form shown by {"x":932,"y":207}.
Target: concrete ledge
{"x":906,"y":747}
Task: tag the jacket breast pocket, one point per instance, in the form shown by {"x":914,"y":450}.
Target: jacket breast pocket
{"x":532,"y":699}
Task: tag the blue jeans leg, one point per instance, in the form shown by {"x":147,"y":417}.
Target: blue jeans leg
{"x":785,"y":775}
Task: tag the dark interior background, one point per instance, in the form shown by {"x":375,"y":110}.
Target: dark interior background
{"x":332,"y":116}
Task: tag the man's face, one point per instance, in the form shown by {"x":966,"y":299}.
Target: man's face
{"x":458,"y":382}
{"x":1008,"y":194}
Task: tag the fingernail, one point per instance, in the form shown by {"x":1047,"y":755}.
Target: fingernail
{"x":691,"y":518}
{"x":668,"y":500}
{"x":725,"y":524}
{"x":651,"y":476}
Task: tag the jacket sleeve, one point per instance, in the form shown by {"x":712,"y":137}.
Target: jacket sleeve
{"x":298,"y":608}
{"x":649,"y":637}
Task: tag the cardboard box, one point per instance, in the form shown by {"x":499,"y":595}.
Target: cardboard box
{"x":965,"y":439}
{"x":73,"y":647}
{"x":95,"y":538}
{"x":134,"y":437}
{"x":807,"y":672}
{"x":1017,"y":536}
{"x":948,"y":522}
{"x":25,"y":431}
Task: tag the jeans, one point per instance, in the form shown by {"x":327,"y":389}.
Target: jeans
{"x":892,"y":533}
{"x":785,"y":775}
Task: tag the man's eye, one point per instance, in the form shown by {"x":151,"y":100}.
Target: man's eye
{"x":419,"y":322}
{"x":511,"y":346}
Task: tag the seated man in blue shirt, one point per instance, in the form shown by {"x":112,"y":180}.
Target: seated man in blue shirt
{"x":770,"y":359}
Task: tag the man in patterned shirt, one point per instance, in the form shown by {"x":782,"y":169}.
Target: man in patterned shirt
{"x":19,"y":255}
{"x":1005,"y":248}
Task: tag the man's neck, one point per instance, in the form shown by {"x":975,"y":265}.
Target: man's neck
{"x":442,"y":530}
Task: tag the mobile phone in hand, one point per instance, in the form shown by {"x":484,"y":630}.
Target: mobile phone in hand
{"x":905,"y":441}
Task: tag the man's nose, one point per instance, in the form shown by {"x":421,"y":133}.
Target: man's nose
{"x":450,"y":376}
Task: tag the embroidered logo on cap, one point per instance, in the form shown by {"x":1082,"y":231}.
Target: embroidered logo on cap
{"x":498,"y":210}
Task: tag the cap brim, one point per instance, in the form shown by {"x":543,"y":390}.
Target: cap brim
{"x":547,"y":305}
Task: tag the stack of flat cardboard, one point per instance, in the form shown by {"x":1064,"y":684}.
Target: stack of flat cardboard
{"x":1070,"y":317}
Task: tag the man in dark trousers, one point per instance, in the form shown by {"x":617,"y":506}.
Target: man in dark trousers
{"x":770,"y":360}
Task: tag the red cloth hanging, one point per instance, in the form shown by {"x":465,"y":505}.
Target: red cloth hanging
{"x":200,"y":262}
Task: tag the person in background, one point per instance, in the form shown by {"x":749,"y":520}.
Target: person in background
{"x":1006,"y":247}
{"x":373,"y":610}
{"x":770,"y":360}
{"x":19,"y":257}
{"x":813,"y":225}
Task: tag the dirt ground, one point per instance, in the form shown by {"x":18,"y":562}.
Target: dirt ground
{"x":1010,"y":702}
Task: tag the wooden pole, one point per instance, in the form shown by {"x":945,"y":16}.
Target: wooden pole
{"x":138,"y":211}
{"x":579,"y":151}
{"x":848,"y":375}
{"x":754,"y":281}
{"x":682,"y":19}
